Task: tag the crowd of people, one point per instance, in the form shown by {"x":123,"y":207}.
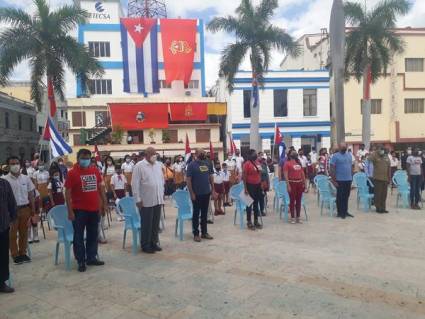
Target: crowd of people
{"x":90,"y":188}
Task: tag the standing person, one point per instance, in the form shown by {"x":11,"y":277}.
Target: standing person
{"x":394,"y":161}
{"x":295,"y":181}
{"x":23,"y":191}
{"x":56,"y":189}
{"x":303,"y":161}
{"x":404,"y":156}
{"x":218,"y":178}
{"x":252,"y":184}
{"x":179,"y":168}
{"x":239,"y":163}
{"x":226,"y":182}
{"x":127,"y":168}
{"x":231,"y":167}
{"x":108,"y":171}
{"x":381,"y":178}
{"x":28,"y":170}
{"x":265,"y":185}
{"x":8,"y":216}
{"x":362,"y":152}
{"x":34,"y":162}
{"x":342,"y":177}
{"x":119,"y":185}
{"x":169,"y":178}
{"x":62,"y":168}
{"x":85,"y":199}
{"x":313,"y":156}
{"x":414,"y":169}
{"x":322,"y":163}
{"x":148,"y":190}
{"x":200,"y":183}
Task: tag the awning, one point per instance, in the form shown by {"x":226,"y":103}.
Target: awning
{"x":138,"y":116}
{"x":188,"y":111}
{"x":217,"y":109}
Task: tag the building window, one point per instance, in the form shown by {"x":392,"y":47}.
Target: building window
{"x":79,"y":119}
{"x":40,"y":130}
{"x":376,"y":106}
{"x":100,"y":87}
{"x":203,"y":136}
{"x":137,"y":137}
{"x":194,"y":84}
{"x":169,"y":136}
{"x":414,"y":65}
{"x":414,"y":106}
{"x":100,"y":49}
{"x":6,"y":120}
{"x":102,"y":118}
{"x":20,"y":122}
{"x":310,"y":102}
{"x":77,"y":139}
{"x":163,"y":84}
{"x":280,"y":98}
{"x":247,"y":103}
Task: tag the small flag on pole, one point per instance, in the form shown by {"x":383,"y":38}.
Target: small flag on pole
{"x":58,"y":145}
{"x":277,"y":135}
{"x":211,"y":152}
{"x":51,"y":96}
{"x":97,"y":156}
{"x":188,"y":151}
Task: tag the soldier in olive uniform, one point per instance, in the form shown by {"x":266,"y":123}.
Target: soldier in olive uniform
{"x":381,"y":177}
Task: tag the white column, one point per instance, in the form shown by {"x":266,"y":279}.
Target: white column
{"x":296,"y":143}
{"x":266,"y":145}
{"x":326,"y":142}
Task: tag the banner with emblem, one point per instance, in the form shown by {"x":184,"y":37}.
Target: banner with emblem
{"x":138,"y":116}
{"x":178,"y":46}
{"x":188,"y":111}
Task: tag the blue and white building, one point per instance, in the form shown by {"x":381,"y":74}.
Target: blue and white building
{"x":296,"y":101}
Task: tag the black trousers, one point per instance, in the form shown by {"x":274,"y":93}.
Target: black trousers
{"x":255,"y":191}
{"x":342,"y":196}
{"x":4,"y":256}
{"x":200,"y":207}
{"x":150,"y":218}
{"x":88,"y":221}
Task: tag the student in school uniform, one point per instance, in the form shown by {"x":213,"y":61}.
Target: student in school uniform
{"x":218,"y":178}
{"x":119,"y":185}
{"x":226,"y":182}
{"x":55,"y":188}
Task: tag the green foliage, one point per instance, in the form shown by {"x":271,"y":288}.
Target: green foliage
{"x":117,"y":134}
{"x":43,"y":39}
{"x":165,"y":136}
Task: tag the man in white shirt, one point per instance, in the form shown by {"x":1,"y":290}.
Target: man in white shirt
{"x":239,"y":162}
{"x":23,"y":190}
{"x":127,"y":169}
{"x":361,"y":152}
{"x":178,"y":168}
{"x":313,"y":156}
{"x":231,"y":167}
{"x":148,"y":191}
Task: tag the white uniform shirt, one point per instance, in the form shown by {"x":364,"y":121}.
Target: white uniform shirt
{"x":119,"y":183}
{"x":393,"y":160}
{"x":30,"y":172}
{"x":361,"y":153}
{"x":239,"y":163}
{"x":148,"y":183}
{"x":110,"y":170}
{"x":231,"y":164}
{"x":303,"y":161}
{"x":313,"y":157}
{"x":21,"y":186}
{"x":127,"y":167}
{"x":178,"y":167}
{"x":41,"y":177}
{"x":218,"y":177}
{"x":226,"y":175}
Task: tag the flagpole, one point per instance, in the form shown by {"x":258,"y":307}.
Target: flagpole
{"x":274,"y":141}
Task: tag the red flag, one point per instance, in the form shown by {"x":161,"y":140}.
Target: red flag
{"x":137,"y":116}
{"x":188,"y":151}
{"x":368,"y":83}
{"x":46,"y":135}
{"x":188,"y":111}
{"x":97,"y":155}
{"x":232,"y":145}
{"x":51,"y":96}
{"x":211,"y":152}
{"x":277,"y":136}
{"x":178,"y":46}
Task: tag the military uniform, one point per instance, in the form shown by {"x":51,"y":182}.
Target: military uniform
{"x":381,"y":179}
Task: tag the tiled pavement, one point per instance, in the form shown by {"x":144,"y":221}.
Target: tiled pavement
{"x":372,"y":266}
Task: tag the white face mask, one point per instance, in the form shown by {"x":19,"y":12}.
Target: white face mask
{"x":15,"y":168}
{"x":128,"y":160}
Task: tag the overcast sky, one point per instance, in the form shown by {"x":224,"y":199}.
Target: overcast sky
{"x":296,"y":16}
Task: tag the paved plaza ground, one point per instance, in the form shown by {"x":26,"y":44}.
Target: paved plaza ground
{"x":372,"y":266}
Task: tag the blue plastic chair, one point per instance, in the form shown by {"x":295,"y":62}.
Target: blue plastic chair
{"x":183,"y":203}
{"x":240,"y":208}
{"x":316,"y":179}
{"x":362,"y":182}
{"x":326,"y":196}
{"x":400,"y":180}
{"x":283,"y":195}
{"x":65,"y":231}
{"x":275,"y":183}
{"x":132,"y":221}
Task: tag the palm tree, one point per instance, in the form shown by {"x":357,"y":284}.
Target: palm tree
{"x":256,"y":36}
{"x":370,"y":45}
{"x":44,"y":40}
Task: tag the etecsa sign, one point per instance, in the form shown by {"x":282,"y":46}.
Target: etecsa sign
{"x":101,"y":11}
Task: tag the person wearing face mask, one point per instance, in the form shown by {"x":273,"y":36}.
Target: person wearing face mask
{"x":404,"y":156}
{"x":119,"y":185}
{"x":252,"y":183}
{"x":231,"y":167}
{"x":414,"y":169}
{"x":127,"y":168}
{"x":85,"y":200}
{"x":296,"y":184}
{"x":28,"y":170}
{"x":169,"y":178}
{"x":148,"y":190}
{"x":341,"y":168}
{"x":381,"y":178}
{"x":226,"y":183}
{"x":239,"y":162}
{"x":179,"y":168}
{"x":62,"y":168}
{"x":108,"y":171}
{"x":23,"y":191}
{"x":218,"y":178}
{"x":200,"y":183}
{"x":55,"y":188}
{"x":41,"y":180}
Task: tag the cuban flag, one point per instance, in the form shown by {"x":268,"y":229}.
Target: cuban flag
{"x":139,"y":40}
{"x":58,"y":146}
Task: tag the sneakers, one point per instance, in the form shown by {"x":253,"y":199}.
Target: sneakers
{"x":26,"y":259}
{"x":95,"y":262}
{"x":6,"y":289}
{"x":292,"y":221}
{"x":18,"y":260}
{"x":250,"y":226}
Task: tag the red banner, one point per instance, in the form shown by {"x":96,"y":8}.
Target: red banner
{"x":134,"y":117}
{"x":178,"y":46}
{"x":188,"y":111}
{"x":51,"y":97}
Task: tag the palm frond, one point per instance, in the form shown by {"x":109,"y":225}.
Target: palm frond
{"x":245,"y":11}
{"x":389,"y":9}
{"x":227,"y":24}
{"x":15,"y":17}
{"x":68,"y":17}
{"x":265,"y":9}
{"x":281,"y":41}
{"x":38,"y":69}
{"x":231,"y":59}
{"x":354,"y":13}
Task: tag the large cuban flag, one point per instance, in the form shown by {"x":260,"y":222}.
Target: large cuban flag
{"x":139,"y":38}
{"x":58,"y":146}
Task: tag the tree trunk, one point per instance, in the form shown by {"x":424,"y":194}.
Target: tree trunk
{"x":254,"y":134}
{"x":366,"y":108}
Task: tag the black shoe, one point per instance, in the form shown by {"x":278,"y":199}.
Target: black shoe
{"x":349,"y":215}
{"x":210,"y":222}
{"x":26,"y":259}
{"x":18,"y":260}
{"x":258,"y":225}
{"x":156,"y":247}
{"x":6,"y":289}
{"x":338,"y":216}
{"x":343,"y":217}
{"x":385,"y":212}
{"x":95,"y":262}
{"x":82,"y":267}
{"x":207,"y":236}
{"x":379,"y":211}
{"x":148,"y":251}
{"x":263,"y":214}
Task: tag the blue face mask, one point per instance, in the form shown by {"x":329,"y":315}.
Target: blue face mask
{"x":84,"y":163}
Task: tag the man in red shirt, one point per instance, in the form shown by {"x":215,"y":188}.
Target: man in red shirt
{"x":252,"y":182}
{"x":85,"y":199}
